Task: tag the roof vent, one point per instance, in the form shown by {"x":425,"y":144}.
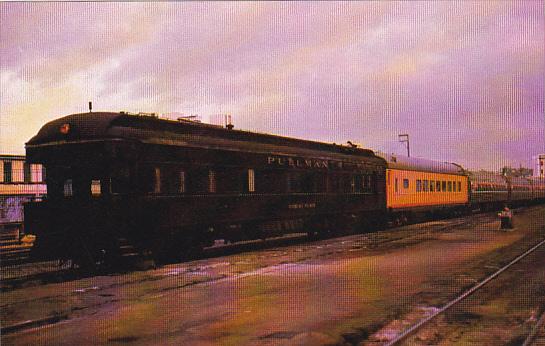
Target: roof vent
{"x":353,"y":145}
{"x":192,"y":117}
{"x":143,"y":114}
{"x":228,"y":124}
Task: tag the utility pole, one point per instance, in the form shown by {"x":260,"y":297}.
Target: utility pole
{"x":404,"y":138}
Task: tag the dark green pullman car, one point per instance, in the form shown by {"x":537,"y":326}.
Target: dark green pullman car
{"x":121,"y":184}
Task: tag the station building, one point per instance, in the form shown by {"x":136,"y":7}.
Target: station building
{"x":20,"y":182}
{"x":539,"y":168}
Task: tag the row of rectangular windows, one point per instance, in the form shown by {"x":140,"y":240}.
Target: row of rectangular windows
{"x":489,"y":187}
{"x":520,"y":188}
{"x":357,"y":183}
{"x":228,"y":180}
{"x":28,"y":174}
{"x":197,"y":181}
{"x":250,"y":180}
{"x":432,"y":185}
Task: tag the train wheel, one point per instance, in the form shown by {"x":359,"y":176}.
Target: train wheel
{"x":312,"y":227}
{"x":324,"y":229}
{"x":312,"y":235}
{"x":253,"y":231}
{"x":193,"y":251}
{"x":82,"y":256}
{"x":380,"y":223}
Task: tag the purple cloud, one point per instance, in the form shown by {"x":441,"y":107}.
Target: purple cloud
{"x":464,"y":79}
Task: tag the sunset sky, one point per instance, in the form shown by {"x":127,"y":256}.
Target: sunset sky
{"x":465,"y":79}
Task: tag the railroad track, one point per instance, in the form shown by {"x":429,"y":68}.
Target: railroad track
{"x":17,"y":273}
{"x":18,"y":270}
{"x":12,"y":249}
{"x":12,"y":262}
{"x":536,"y":333}
{"x":14,"y":252}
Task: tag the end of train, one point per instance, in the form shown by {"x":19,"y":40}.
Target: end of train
{"x":123,"y":186}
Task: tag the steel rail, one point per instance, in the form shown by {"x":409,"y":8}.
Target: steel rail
{"x":533,"y":333}
{"x":466,"y":294}
{"x":32,"y":324}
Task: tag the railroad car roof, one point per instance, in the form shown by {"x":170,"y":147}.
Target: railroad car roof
{"x":12,"y":157}
{"x":519,"y":180}
{"x":421,"y":165}
{"x":537,"y":181}
{"x":149,"y":129}
{"x":487,"y":177}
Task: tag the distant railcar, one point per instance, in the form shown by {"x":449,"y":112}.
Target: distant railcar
{"x":492,"y":190}
{"x":120,"y":185}
{"x":423,"y":187}
{"x":488,"y":190}
{"x":538,"y":188}
{"x":520,"y":189}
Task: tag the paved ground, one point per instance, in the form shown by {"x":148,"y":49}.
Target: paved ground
{"x":337,"y":291}
{"x":503,"y":312}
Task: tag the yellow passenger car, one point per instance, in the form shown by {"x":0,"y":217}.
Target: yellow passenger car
{"x":419,"y":186}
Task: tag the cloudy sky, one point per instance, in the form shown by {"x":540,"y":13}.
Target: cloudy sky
{"x":465,"y":79}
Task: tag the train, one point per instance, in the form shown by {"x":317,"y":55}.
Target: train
{"x":122,"y":187}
